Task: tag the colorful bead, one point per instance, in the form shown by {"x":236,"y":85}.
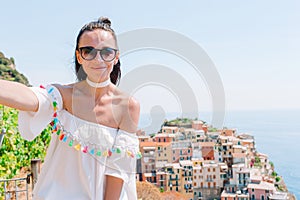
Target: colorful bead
{"x":55,"y":120}
{"x":109,"y":153}
{"x":77,"y":147}
{"x":139,"y":155}
{"x":50,"y":90}
{"x":54,"y":128}
{"x":118,"y":150}
{"x":92,"y":151}
{"x":71,"y":143}
{"x":55,"y":114}
{"x":105,"y":153}
{"x":58,"y":132}
{"x":41,"y":86}
{"x":98,"y":153}
{"x":65,"y":138}
{"x":85,"y":149}
{"x":54,"y":104}
{"x":61,"y":137}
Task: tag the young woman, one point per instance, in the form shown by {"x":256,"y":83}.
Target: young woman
{"x":93,"y":149}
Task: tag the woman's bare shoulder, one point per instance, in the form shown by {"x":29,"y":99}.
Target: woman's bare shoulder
{"x":64,"y":89}
{"x":130,"y":111}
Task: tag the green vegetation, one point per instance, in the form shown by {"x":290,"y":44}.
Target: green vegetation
{"x":178,"y":122}
{"x":257,"y":162}
{"x":15,"y":152}
{"x":8,"y":71}
{"x":161,"y":189}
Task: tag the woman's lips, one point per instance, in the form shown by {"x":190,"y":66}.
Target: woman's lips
{"x":97,"y":68}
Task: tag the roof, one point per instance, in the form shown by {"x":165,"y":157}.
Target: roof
{"x":147,"y":144}
{"x":165,"y":135}
{"x":197,"y":122}
{"x":186,"y":162}
{"x":262,"y":186}
{"x":149,"y":148}
{"x":207,"y":144}
{"x":278,"y":195}
{"x":164,"y":144}
{"x":170,"y":127}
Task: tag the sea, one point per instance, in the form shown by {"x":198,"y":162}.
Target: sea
{"x":276,"y":133}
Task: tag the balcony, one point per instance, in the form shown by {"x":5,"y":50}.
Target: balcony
{"x":148,"y":155}
{"x":173,"y":178}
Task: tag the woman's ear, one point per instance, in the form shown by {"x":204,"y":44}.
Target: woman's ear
{"x":78,"y":57}
{"x":117,"y":58}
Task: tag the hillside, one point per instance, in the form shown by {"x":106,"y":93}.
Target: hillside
{"x":8,"y":70}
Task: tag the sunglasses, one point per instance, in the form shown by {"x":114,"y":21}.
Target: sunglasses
{"x":89,"y":53}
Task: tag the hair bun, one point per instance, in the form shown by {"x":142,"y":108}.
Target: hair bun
{"x":105,"y":20}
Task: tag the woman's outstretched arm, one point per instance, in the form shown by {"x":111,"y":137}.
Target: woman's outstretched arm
{"x":17,"y":95}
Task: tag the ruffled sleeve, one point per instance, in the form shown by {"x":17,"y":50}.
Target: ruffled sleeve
{"x":122,"y":163}
{"x":32,"y":124}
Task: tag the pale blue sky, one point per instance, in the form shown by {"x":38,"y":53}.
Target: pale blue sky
{"x":255,"y":44}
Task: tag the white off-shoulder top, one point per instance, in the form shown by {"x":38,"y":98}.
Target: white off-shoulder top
{"x":80,"y":153}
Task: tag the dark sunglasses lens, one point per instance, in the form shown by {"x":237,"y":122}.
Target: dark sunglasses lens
{"x":88,"y":53}
{"x":108,"y":54}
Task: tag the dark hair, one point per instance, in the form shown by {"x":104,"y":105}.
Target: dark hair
{"x":102,"y":23}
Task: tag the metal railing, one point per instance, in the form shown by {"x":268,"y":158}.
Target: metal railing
{"x":14,"y":191}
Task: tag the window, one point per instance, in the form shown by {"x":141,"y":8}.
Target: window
{"x":195,"y":171}
{"x":214,"y":169}
{"x":173,"y":158}
{"x":164,"y":139}
{"x":158,"y":148}
{"x":214,"y":176}
{"x":165,"y":148}
{"x":195,"y":184}
{"x":262,"y":197}
{"x":208,"y":169}
{"x":158,"y":139}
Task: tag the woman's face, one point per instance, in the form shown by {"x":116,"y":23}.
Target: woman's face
{"x":97,"y":69}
